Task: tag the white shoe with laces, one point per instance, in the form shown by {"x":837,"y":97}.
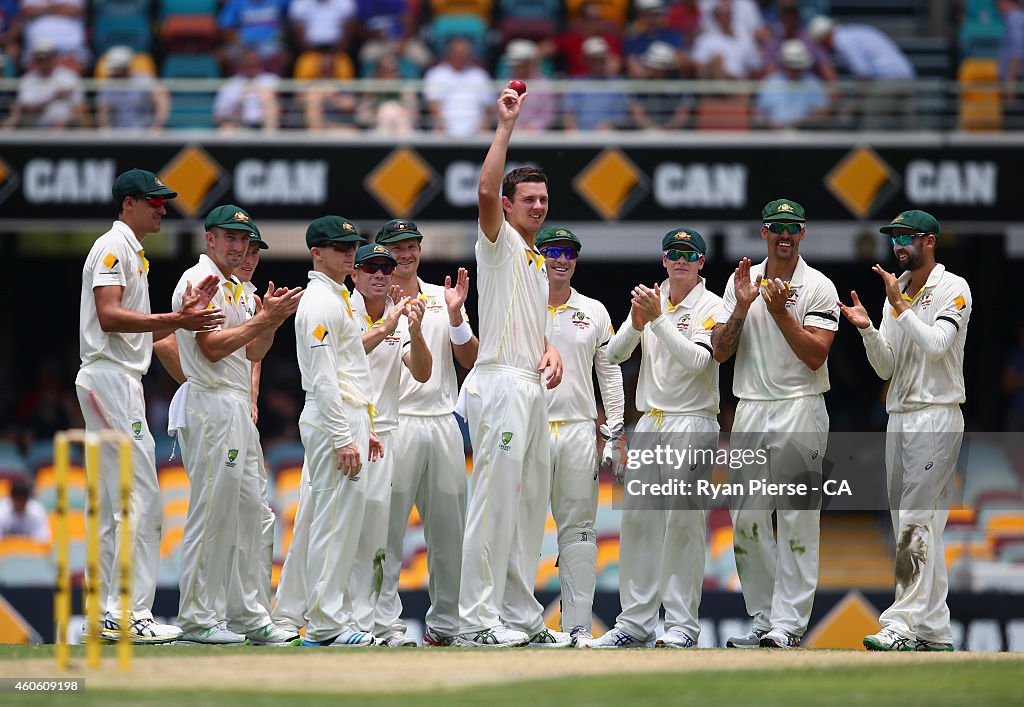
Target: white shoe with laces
{"x":546,"y":638}
{"x":888,"y":640}
{"x":499,"y":636}
{"x":580,"y":636}
{"x":617,"y":638}
{"x":752,"y":639}
{"x":271,"y":635}
{"x":675,"y":638}
{"x":218,"y":635}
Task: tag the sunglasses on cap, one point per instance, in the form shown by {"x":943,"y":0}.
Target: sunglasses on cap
{"x":396,"y":226}
{"x":555,"y":251}
{"x":155,"y":201}
{"x":904,"y":240}
{"x":371,"y":268}
{"x":791,"y":228}
{"x":690,"y":256}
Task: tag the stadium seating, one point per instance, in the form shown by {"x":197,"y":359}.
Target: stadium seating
{"x":980,"y":39}
{"x":981,"y":107}
{"x":470,"y":26}
{"x":480,"y":8}
{"x":613,"y":10}
{"x":723,"y":113}
{"x":307,"y":66}
{"x":24,"y":562}
{"x":46,"y":487}
{"x":407,"y":69}
{"x":140,"y":8}
{"x":187,"y":7}
{"x":142,"y":63}
{"x":189,"y":34}
{"x":533,"y":28}
{"x":131,"y":31}
{"x":546,"y":9}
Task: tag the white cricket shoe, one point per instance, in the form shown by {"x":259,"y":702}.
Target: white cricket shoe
{"x":546,"y":638}
{"x":888,"y":640}
{"x":218,"y":635}
{"x":752,"y":639}
{"x":396,"y":640}
{"x":779,"y":638}
{"x":617,"y":638}
{"x":580,"y":636}
{"x":271,"y":635}
{"x":433,"y":638}
{"x":499,"y":636}
{"x":142,"y":631}
{"x":675,"y":638}
{"x":346,"y":639}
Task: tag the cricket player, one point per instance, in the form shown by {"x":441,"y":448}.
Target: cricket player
{"x":661,"y":552}
{"x":336,"y":432}
{"x":392,"y":338}
{"x":429,"y":460}
{"x":259,"y":571}
{"x":505,"y":407}
{"x":919,"y":349}
{"x":117,"y":331}
{"x":219,"y":442}
{"x":580,"y":328}
{"x":783,"y":315}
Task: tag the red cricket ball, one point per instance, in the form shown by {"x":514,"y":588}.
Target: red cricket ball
{"x":517,"y":86}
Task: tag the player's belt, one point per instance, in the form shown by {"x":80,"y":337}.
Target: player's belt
{"x":500,"y":370}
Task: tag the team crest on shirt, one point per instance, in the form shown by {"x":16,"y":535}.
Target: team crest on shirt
{"x":927,"y":296}
{"x":684,"y":323}
{"x":232,"y":455}
{"x":580,"y":320}
{"x":137,"y":429}
{"x":431,"y":302}
{"x":506,"y":437}
{"x":794,"y":294}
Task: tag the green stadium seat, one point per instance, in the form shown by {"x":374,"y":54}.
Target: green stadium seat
{"x":190,"y":66}
{"x":980,"y":39}
{"x":101,"y":8}
{"x":471,"y":26}
{"x":187,"y":7}
{"x":548,"y":9}
{"x":128,"y":30}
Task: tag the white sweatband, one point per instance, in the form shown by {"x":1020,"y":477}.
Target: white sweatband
{"x":460,"y":334}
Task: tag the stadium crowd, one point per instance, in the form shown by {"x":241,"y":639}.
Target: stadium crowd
{"x":457,"y":48}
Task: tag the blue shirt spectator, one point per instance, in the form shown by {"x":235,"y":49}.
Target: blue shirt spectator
{"x":383,"y":18}
{"x":1011,"y":51}
{"x":598,"y":110}
{"x":792,"y":95}
{"x":649,"y":27}
{"x":258,"y":23}
{"x":867,"y":52}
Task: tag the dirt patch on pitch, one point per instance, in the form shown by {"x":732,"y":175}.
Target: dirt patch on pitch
{"x":414,"y":670}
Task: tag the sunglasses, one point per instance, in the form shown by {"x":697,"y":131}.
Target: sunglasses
{"x":155,"y":201}
{"x":690,"y":256}
{"x":371,"y":268}
{"x":555,"y":251}
{"x":791,"y":228}
{"x":396,"y":226}
{"x":904,"y":240}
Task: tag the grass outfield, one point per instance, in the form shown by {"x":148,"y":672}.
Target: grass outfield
{"x":370,"y":677}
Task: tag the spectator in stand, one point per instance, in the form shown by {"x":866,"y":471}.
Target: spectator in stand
{"x":21,"y":515}
{"x":139,"y":103}
{"x":258,"y":24}
{"x":590,"y":23}
{"x":660,"y":110}
{"x":791,"y":27}
{"x":792,"y":96}
{"x":649,"y":26}
{"x":598,"y":110}
{"x":57,"y":22}
{"x":747,"y":20}
{"x":867,"y":52}
{"x":327,"y":108}
{"x":49,"y":96}
{"x":322,"y":25}
{"x":458,"y":92}
{"x":390,"y":27}
{"x":249,"y":98}
{"x":389,"y":112}
{"x":1011,"y":50}
{"x":722,"y":52}
{"x":540,"y":111}
{"x":684,"y":18}
{"x":10,"y":32}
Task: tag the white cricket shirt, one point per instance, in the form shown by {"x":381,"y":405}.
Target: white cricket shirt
{"x":513,"y":291}
{"x":580,"y":329}
{"x":438,"y":394}
{"x":116,"y":258}
{"x":922,"y":350}
{"x":678,"y":374}
{"x":766,"y":367}
{"x":234,"y":370}
{"x":385,"y":363}
{"x":329,"y":348}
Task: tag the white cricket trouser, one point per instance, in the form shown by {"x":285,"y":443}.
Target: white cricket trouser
{"x":779,"y":578}
{"x":574,"y":490}
{"x":111,"y":398}
{"x":219,"y":448}
{"x":290,"y":601}
{"x":508,"y":423}
{"x":661,"y":544}
{"x":921,"y":451}
{"x":338,"y":504}
{"x":365,"y":582}
{"x":253,"y":559}
{"x":430,"y":471}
